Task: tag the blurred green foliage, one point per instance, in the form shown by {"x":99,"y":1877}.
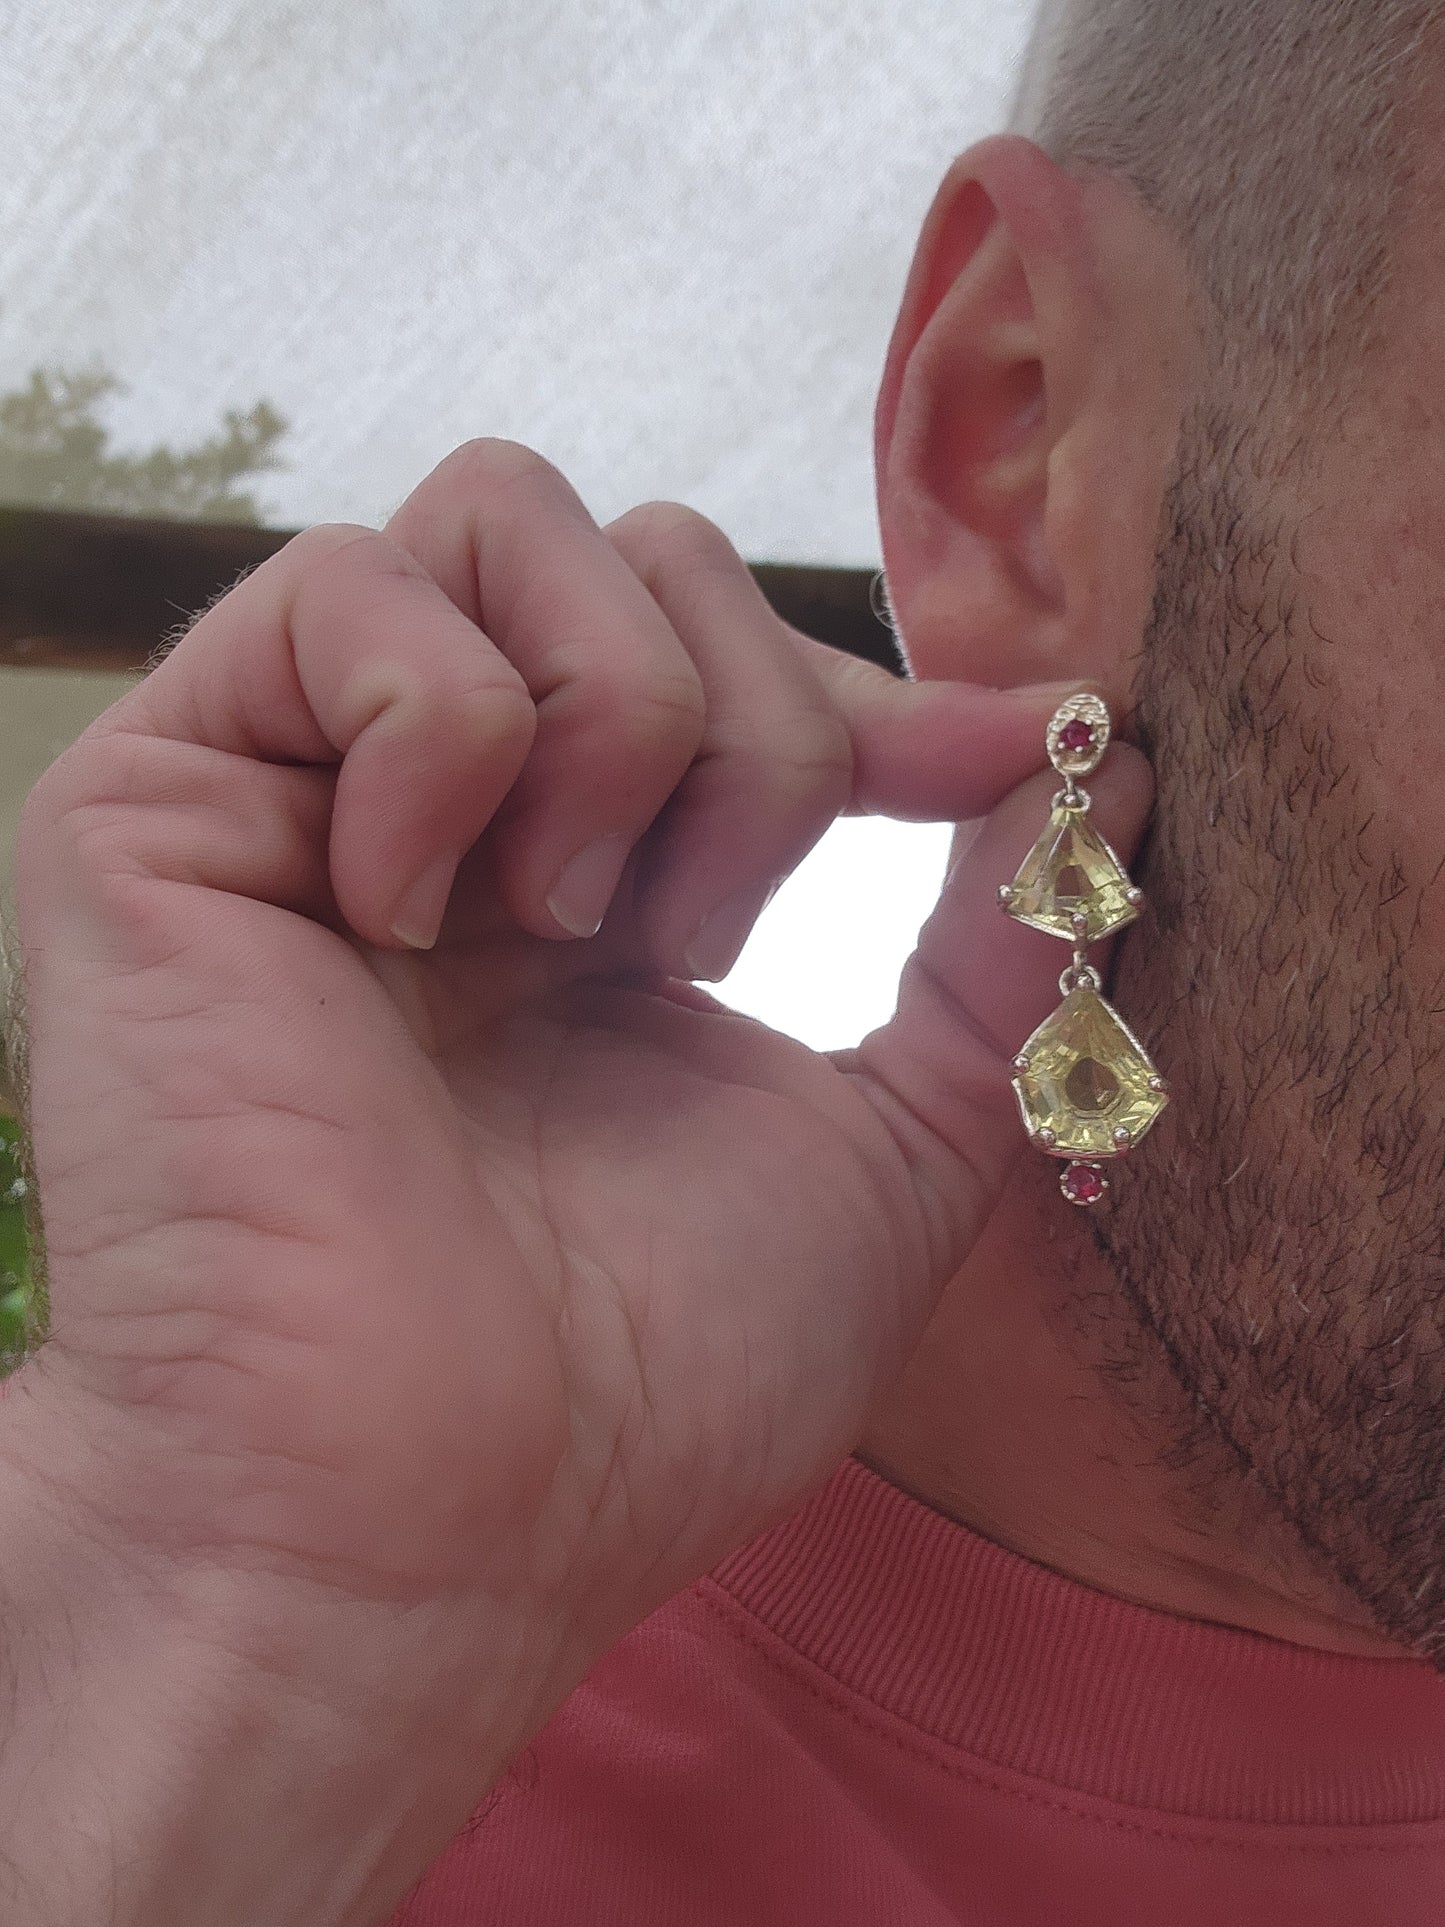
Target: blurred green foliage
{"x":55,"y":452}
{"x":17,"y":1296}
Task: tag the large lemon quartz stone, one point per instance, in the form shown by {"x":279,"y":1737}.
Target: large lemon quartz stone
{"x":1088,"y":1077}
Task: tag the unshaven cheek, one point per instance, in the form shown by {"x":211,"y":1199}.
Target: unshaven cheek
{"x":1372,"y":566}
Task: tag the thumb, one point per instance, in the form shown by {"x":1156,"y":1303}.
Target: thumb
{"x":978,"y":985}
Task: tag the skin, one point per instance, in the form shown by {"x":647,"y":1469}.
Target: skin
{"x":1219,"y":1397}
{"x":425,"y":1316}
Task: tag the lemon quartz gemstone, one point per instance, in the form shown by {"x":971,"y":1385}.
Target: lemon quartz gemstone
{"x":1072,"y":870}
{"x":1088,"y":1077}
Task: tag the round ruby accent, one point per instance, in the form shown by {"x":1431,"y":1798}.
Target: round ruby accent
{"x":1076,"y":737}
{"x":1084,"y":1184}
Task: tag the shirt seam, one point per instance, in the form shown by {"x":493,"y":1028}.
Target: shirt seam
{"x":949,"y":1759}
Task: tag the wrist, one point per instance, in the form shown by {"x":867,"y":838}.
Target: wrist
{"x":183,"y":1743}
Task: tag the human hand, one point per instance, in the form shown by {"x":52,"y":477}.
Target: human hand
{"x":421,"y":1319}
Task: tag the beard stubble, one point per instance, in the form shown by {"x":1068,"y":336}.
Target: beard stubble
{"x":1281,"y":1256}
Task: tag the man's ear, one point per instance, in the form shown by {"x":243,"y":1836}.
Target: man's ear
{"x":1025,"y":424}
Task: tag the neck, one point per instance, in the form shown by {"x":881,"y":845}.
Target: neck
{"x":1003,"y":1421}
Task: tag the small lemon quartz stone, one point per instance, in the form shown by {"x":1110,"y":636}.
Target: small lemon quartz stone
{"x":1072,"y":870}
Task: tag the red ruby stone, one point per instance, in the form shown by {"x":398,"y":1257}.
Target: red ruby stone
{"x":1083,"y":1184}
{"x":1076,"y":737}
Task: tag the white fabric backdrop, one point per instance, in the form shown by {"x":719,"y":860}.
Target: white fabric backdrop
{"x":663,"y":241}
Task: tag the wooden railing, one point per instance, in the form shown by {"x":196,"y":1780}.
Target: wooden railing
{"x":101,"y":591}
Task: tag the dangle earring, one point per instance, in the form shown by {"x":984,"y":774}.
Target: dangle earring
{"x":1085,"y":1086}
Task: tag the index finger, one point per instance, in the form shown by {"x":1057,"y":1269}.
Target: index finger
{"x":933,"y":752}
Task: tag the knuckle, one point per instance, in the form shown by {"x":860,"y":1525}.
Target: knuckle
{"x":91,"y":803}
{"x":491,"y":466}
{"x":497,"y":712}
{"x":340,"y":552}
{"x":648,"y":719}
{"x":805,"y":757}
{"x":480,"y":702}
{"x":103,"y":765}
{"x":671,"y":533}
{"x":321,"y":538}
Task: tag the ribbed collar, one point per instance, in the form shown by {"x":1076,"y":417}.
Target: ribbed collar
{"x":1025,"y":1669}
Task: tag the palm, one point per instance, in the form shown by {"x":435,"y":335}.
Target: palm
{"x":510,"y":1252}
{"x":714,"y":1230}
{"x":637,"y":1258}
{"x":512,"y":1263}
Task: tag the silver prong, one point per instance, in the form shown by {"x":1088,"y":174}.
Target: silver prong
{"x":1005,"y":895}
{"x":1047,"y":1138}
{"x":1134,"y":897}
{"x":1021,"y":1063}
{"x":1123,"y":1138}
{"x":1158,"y":1084}
{"x":1081,"y":924}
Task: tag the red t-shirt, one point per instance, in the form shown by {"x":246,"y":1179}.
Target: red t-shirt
{"x":871,"y":1715}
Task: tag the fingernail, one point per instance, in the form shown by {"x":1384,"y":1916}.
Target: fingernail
{"x":418,"y":918}
{"x":585,"y":887}
{"x":721,"y":936}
